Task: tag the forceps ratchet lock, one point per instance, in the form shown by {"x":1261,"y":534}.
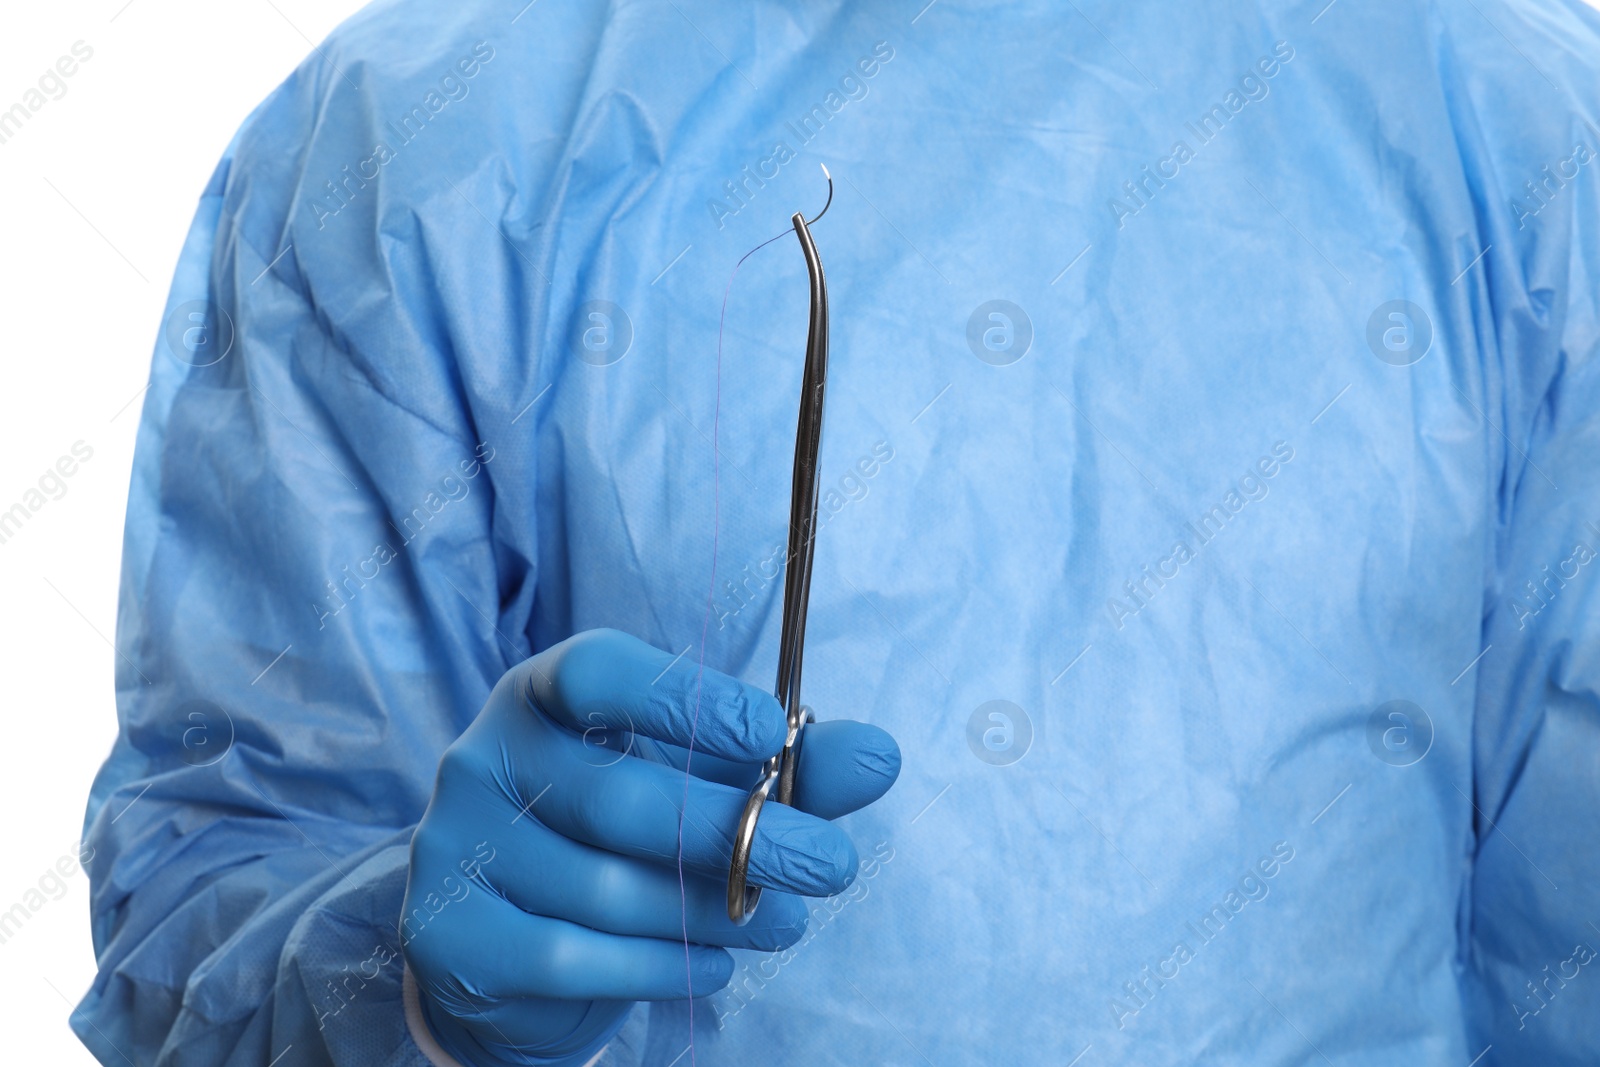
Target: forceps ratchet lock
{"x":777,"y":779}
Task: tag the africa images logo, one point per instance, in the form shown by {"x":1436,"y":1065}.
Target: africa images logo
{"x":452,"y":86}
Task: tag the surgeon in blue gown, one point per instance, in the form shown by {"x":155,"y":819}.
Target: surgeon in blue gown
{"x":1210,"y":509}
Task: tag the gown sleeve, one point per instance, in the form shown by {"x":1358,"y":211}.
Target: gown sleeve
{"x":1533,"y":898}
{"x":310,"y":611}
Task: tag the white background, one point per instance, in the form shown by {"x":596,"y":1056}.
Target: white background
{"x":97,"y":189}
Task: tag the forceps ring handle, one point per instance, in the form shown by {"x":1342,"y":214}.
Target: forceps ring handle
{"x":778,"y":771}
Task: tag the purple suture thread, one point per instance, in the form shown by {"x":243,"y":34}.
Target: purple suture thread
{"x":705,"y":629}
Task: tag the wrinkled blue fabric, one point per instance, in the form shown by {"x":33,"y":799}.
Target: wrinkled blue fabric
{"x":1266,"y":508}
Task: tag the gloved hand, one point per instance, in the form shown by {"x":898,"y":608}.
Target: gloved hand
{"x":543,"y":896}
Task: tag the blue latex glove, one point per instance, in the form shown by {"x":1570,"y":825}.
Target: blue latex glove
{"x":561,"y":803}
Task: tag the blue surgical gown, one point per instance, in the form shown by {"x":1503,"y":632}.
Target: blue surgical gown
{"x":1210,"y":495}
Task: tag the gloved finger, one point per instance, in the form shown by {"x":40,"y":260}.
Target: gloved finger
{"x":518,"y":1029}
{"x":515,"y":763}
{"x":622,"y":895}
{"x":741,"y":775}
{"x":608,"y":679}
{"x":631,"y":807}
{"x":844,"y":766}
{"x":703,"y":765}
{"x":482,"y":946}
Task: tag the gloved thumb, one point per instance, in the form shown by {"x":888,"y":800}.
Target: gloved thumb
{"x":844,"y":766}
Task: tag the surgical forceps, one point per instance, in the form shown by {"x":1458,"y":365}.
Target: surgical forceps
{"x":779,"y":771}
